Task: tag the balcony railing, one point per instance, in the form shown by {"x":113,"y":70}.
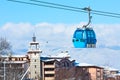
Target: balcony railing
{"x":49,"y":78}
{"x":49,"y":66}
{"x":49,"y":72}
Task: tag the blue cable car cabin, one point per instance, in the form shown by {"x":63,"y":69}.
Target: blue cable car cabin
{"x":84,"y":38}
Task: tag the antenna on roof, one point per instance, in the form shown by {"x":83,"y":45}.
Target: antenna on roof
{"x":34,"y":37}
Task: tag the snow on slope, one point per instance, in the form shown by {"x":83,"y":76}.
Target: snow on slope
{"x":97,"y":56}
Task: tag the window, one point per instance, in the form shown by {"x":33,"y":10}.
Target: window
{"x":65,"y":64}
{"x":79,"y":34}
{"x":9,"y":59}
{"x":35,"y":66}
{"x":82,"y":40}
{"x":49,"y":75}
{"x":49,"y":63}
{"x":49,"y":69}
{"x":35,"y":72}
{"x":35,"y":77}
{"x":73,"y":40}
{"x":15,"y":59}
{"x":77,"y":40}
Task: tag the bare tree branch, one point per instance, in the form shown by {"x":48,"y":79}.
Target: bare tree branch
{"x":5,"y":46}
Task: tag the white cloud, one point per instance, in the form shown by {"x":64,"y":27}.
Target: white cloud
{"x":108,"y":34}
{"x":59,"y":34}
{"x":17,"y":34}
{"x":13,"y":30}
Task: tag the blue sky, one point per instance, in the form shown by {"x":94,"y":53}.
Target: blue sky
{"x":16,"y":12}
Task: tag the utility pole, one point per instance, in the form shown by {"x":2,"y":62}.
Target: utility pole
{"x":4,"y":70}
{"x":4,"y":64}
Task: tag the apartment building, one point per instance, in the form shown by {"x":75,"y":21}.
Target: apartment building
{"x":95,"y":72}
{"x":51,"y":67}
{"x":111,"y":73}
{"x":64,"y":69}
{"x":12,"y":67}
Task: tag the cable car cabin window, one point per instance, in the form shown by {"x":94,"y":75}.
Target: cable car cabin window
{"x":82,"y":40}
{"x":77,"y":40}
{"x":89,"y":34}
{"x":73,"y":40}
{"x":79,"y":35}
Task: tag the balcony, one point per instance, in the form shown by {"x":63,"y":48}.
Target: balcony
{"x":49,"y":78}
{"x":49,"y":66}
{"x":49,"y":72}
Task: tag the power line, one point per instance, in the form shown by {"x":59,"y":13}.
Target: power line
{"x":93,"y":11}
{"x":70,"y":8}
{"x":106,"y":12}
{"x":73,"y":7}
{"x":49,"y":3}
{"x":44,"y":5}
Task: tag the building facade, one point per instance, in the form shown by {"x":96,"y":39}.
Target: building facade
{"x":54,"y":66}
{"x":12,"y":67}
{"x":111,"y":73}
{"x":96,"y":73}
